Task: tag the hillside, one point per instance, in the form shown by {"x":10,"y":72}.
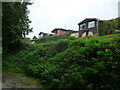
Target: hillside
{"x":81,"y":63}
{"x":112,"y":25}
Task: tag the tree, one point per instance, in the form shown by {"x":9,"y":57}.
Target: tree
{"x":118,"y":20}
{"x":112,"y":25}
{"x":15,"y":24}
{"x":102,"y":27}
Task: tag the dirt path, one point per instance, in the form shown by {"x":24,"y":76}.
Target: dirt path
{"x":13,"y":80}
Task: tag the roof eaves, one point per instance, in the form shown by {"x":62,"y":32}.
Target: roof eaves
{"x":88,"y":19}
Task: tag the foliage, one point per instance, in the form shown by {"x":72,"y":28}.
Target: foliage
{"x":112,"y":25}
{"x":15,"y":24}
{"x":26,"y":41}
{"x":82,"y":63}
{"x":0,"y":45}
{"x":54,"y":38}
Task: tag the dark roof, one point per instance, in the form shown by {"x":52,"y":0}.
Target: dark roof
{"x":69,"y":30}
{"x":43,"y":33}
{"x":87,"y":20}
{"x":34,"y":37}
{"x":56,"y":29}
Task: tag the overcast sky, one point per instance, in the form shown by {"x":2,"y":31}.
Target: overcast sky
{"x":49,"y":14}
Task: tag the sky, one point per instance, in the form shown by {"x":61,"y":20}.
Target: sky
{"x":47,"y":15}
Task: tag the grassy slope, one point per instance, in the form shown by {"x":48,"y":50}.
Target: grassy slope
{"x":82,"y":63}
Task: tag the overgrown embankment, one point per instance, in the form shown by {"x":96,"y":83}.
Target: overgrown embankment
{"x":82,"y":63}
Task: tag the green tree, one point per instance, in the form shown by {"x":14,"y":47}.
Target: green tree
{"x":112,"y":25}
{"x":118,"y":20}
{"x":15,"y":24}
{"x":102,"y":27}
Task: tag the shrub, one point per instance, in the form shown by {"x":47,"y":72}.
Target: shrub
{"x":81,"y":63}
{"x":52,"y":38}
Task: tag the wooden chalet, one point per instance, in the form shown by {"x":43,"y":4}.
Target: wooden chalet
{"x":88,"y":27}
{"x":59,"y":31}
{"x":43,"y":34}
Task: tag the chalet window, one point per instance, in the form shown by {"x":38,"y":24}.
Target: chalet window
{"x":41,"y":35}
{"x":58,"y":31}
{"x":82,"y":26}
{"x":91,"y":24}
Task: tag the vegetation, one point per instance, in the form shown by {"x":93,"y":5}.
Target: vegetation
{"x":112,"y":25}
{"x":60,"y":61}
{"x":54,"y":38}
{"x":81,"y":63}
{"x":15,"y":24}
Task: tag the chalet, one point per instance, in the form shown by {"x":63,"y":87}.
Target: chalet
{"x":88,"y":27}
{"x":59,"y":31}
{"x":34,"y":38}
{"x":74,"y":33}
{"x":42,"y":34}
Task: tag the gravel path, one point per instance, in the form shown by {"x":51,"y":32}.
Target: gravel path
{"x":13,"y":80}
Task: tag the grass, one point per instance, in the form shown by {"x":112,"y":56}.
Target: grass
{"x":107,"y":37}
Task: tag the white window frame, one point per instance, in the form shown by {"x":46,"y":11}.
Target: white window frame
{"x":91,"y":26}
{"x":81,"y":26}
{"x":58,"y":31}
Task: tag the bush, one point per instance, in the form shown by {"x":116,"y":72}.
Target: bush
{"x":82,"y":63}
{"x":52,"y":38}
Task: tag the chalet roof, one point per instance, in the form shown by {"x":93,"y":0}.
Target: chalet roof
{"x":56,"y":29}
{"x":34,"y":37}
{"x":87,"y":20}
{"x":43,"y":33}
{"x":69,"y":30}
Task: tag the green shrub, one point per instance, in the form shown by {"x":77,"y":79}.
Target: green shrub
{"x":82,"y":63}
{"x":52,"y":38}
